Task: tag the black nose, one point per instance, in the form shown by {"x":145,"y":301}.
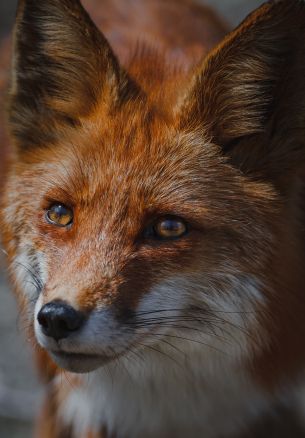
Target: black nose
{"x":57,"y":320}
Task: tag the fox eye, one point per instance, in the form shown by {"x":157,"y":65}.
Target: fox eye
{"x":60,"y":215}
{"x":169,"y":228}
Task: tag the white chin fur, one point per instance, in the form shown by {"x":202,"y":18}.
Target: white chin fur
{"x":78,"y":363}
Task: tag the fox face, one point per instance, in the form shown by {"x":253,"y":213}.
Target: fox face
{"x":151,"y":255}
{"x":156,"y":214}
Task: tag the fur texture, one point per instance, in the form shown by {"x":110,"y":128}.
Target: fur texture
{"x":197,"y":336}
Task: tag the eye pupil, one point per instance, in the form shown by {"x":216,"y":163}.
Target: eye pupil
{"x":60,"y":215}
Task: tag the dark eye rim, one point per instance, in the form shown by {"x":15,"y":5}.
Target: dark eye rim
{"x":59,"y":204}
{"x":151,"y":233}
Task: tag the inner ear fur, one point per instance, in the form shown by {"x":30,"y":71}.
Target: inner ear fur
{"x":249,"y":94}
{"x":62,"y":67}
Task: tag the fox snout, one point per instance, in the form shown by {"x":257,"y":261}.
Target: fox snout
{"x":78,"y":340}
{"x":58,"y":320}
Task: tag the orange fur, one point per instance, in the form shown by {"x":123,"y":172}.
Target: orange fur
{"x":216,"y":139}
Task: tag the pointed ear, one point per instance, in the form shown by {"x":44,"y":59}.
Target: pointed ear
{"x":62,"y":67}
{"x":249,"y":94}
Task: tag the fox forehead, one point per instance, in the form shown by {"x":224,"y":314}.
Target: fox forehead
{"x":102,"y":159}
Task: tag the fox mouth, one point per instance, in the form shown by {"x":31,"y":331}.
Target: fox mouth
{"x":79,"y":362}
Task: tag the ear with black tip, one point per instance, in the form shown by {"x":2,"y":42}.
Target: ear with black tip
{"x":62,"y":67}
{"x":249,"y":94}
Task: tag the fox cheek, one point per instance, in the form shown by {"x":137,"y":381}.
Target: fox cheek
{"x":31,"y":273}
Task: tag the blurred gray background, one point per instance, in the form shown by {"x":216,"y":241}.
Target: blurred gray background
{"x":20,"y":391}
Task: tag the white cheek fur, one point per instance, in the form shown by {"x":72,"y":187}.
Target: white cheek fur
{"x":229,"y":309}
{"x":23,"y":276}
{"x":26,"y":267}
{"x":38,"y":333}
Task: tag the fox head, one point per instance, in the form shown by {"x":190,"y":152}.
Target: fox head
{"x":157,"y":210}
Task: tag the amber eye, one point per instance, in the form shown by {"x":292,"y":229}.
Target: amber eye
{"x":170,"y":228}
{"x":60,"y":215}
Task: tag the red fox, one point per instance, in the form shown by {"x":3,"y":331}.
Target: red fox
{"x":153,"y":213}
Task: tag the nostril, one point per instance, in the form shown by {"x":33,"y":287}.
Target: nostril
{"x":58,"y":319}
